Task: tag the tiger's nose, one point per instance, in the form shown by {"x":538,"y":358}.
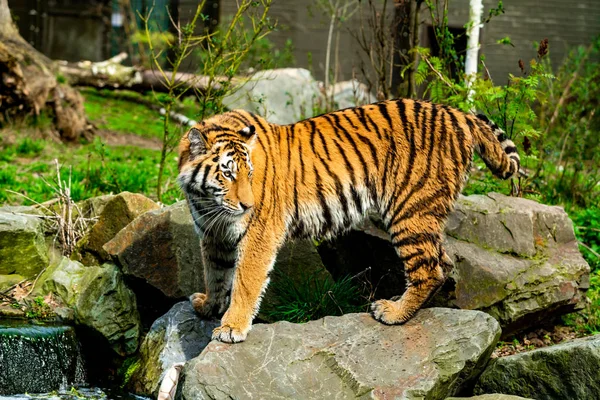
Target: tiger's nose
{"x":246,"y":206}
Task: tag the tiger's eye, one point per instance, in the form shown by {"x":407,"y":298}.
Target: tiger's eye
{"x":227,"y":174}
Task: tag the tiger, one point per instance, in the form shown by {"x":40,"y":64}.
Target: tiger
{"x":251,"y":185}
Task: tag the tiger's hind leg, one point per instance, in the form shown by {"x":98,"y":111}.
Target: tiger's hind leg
{"x":417,"y":240}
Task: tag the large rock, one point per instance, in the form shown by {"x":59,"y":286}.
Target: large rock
{"x":569,"y":370}
{"x":22,"y":247}
{"x":97,"y":298}
{"x":514,"y":259}
{"x":353,"y":356}
{"x":116,"y":213}
{"x":350,"y":94}
{"x":161,"y":248}
{"x":178,"y":336}
{"x":494,"y":396}
{"x":282,"y":96}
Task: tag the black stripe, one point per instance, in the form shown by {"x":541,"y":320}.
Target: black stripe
{"x":373,"y":124}
{"x":355,"y":197}
{"x":354,"y":146}
{"x":193,"y":178}
{"x":423,"y":179}
{"x":416,"y":239}
{"x":383,"y":110}
{"x":423,"y":262}
{"x":421,"y":205}
{"x":264,"y":180}
{"x":313,"y":131}
{"x":240,"y":117}
{"x":221,"y":263}
{"x":366,"y":141}
{"x":324,"y":206}
{"x":290,"y":135}
{"x":510,"y":149}
{"x":301,"y":162}
{"x":409,"y":257}
{"x":339,"y":189}
{"x":205,"y":173}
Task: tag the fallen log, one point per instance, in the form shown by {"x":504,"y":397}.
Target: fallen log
{"x":112,"y":74}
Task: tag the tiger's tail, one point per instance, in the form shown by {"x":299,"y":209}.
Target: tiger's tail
{"x":498,"y":152}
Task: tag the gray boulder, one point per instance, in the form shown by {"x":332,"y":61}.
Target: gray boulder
{"x":352,"y":356}
{"x":161,"y":248}
{"x":282,"y":96}
{"x":177,"y":336}
{"x":350,"y":94}
{"x":514,"y":259}
{"x":23,"y":250}
{"x":97,"y":297}
{"x":117,"y":212}
{"x":569,"y":370}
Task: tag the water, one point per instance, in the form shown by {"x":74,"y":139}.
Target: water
{"x":46,"y":360}
{"x":38,"y":358}
{"x":76,"y":394}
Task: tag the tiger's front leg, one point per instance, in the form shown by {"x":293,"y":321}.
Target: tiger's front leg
{"x":257,"y":253}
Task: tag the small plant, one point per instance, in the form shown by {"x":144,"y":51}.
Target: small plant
{"x":314,"y":297}
{"x":38,"y":309}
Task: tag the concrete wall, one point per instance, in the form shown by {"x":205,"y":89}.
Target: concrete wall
{"x":308,"y":26}
{"x":565,"y":23}
{"x":69,"y":30}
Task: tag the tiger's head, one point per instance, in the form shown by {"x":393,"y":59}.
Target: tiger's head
{"x":215,"y":169}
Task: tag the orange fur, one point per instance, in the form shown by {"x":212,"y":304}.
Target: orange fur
{"x":251,"y":185}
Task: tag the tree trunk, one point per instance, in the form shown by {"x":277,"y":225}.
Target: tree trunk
{"x":476,"y":9}
{"x":29,"y":85}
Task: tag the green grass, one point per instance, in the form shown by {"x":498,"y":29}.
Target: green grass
{"x":96,"y":169}
{"x":124,"y":112}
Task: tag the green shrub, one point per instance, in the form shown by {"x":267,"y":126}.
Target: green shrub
{"x":587,"y":321}
{"x":314,"y":297}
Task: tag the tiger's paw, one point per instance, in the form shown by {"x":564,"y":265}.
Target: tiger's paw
{"x":229,"y":334}
{"x":389,"y":312}
{"x":201,"y":305}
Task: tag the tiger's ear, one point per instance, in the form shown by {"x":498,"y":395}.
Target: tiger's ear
{"x":198,"y":144}
{"x":248,"y":134}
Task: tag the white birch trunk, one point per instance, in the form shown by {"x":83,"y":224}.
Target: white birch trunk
{"x":476,"y":9}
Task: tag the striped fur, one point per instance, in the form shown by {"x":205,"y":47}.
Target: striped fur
{"x":318,"y":177}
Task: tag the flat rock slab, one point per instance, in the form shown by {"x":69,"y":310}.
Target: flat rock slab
{"x":569,"y":370}
{"x":494,"y":396}
{"x":347,"y":357}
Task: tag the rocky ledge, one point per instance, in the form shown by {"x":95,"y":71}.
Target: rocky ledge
{"x":348,"y":357}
